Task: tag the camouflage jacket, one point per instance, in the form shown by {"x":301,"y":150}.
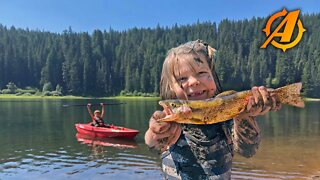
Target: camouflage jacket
{"x":206,"y":151}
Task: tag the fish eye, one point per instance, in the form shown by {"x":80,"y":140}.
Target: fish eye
{"x":173,"y":105}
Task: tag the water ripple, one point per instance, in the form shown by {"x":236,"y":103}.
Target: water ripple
{"x":241,"y":171}
{"x":69,"y":162}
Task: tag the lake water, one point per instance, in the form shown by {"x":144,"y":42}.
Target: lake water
{"x":38,"y":141}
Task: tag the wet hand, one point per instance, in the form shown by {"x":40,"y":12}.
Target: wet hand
{"x":101,"y":104}
{"x":261,"y":102}
{"x":88,"y":105}
{"x":161,"y":134}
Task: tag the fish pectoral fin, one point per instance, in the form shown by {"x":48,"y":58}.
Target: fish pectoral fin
{"x":169,"y":118}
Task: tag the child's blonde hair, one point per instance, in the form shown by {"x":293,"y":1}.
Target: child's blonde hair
{"x":170,"y":65}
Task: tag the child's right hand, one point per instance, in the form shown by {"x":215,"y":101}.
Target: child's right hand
{"x":161,"y":135}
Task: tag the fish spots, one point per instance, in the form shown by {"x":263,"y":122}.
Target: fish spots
{"x":205,"y":119}
{"x":224,"y":106}
{"x":213,"y":119}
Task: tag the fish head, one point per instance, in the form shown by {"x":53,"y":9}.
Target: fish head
{"x":179,"y":110}
{"x":171,"y":104}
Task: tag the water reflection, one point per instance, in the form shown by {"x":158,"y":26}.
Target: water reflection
{"x":38,"y":141}
{"x":109,"y":142}
{"x":281,"y":158}
{"x":289,"y":147}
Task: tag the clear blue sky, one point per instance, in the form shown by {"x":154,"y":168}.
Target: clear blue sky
{"x":87,"y":15}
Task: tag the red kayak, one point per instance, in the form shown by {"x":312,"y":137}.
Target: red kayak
{"x":104,"y":132}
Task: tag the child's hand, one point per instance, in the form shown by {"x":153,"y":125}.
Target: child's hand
{"x":160,"y":135}
{"x":261,"y":102}
{"x":88,"y":105}
{"x":102,"y":104}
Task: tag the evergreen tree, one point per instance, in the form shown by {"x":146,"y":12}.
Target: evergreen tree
{"x":89,"y":65}
{"x":105,"y":63}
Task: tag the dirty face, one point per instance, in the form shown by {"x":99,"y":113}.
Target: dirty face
{"x":194,"y":78}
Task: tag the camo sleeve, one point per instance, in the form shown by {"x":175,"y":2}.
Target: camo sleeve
{"x":246,"y":136}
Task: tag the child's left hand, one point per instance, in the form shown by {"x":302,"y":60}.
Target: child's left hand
{"x":260,"y":103}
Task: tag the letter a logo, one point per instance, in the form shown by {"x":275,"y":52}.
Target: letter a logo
{"x":286,"y":26}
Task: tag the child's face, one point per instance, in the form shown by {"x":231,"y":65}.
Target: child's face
{"x":194,"y":77}
{"x":97,"y":114}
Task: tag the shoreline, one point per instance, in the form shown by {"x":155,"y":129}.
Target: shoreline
{"x":13,"y":96}
{"x":311,"y":99}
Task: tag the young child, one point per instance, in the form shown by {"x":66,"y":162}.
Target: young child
{"x":97,"y":116}
{"x":202,"y":151}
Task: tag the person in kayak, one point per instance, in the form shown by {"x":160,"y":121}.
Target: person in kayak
{"x":191,"y":151}
{"x":97,"y":116}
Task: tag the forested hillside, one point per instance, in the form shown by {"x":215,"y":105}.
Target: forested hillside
{"x":107,"y":61}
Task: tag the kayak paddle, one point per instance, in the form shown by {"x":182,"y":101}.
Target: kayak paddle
{"x":72,"y":105}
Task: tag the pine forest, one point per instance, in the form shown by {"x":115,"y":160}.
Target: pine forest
{"x":106,"y":62}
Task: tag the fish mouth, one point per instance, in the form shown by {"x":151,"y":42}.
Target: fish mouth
{"x":196,"y":94}
{"x":163,"y":104}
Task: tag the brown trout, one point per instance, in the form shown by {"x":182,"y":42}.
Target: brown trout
{"x":224,"y":106}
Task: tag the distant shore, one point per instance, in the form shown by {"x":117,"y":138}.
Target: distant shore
{"x":311,"y":99}
{"x":13,"y":96}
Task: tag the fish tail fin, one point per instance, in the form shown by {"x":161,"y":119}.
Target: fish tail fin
{"x":290,"y":95}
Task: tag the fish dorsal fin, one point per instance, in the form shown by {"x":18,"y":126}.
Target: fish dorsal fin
{"x":226,"y":93}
